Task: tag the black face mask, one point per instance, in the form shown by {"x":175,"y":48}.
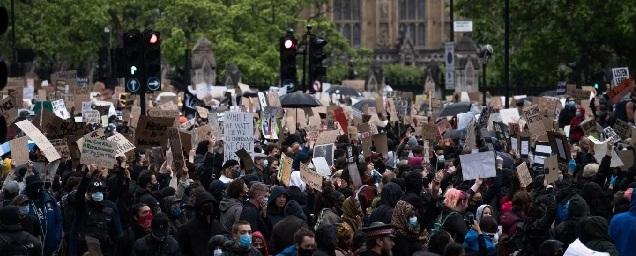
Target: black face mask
{"x":305,"y":252}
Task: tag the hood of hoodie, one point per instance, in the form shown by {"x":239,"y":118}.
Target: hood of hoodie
{"x":276,"y":191}
{"x":391,"y":194}
{"x":203,"y":198}
{"x":578,"y":208}
{"x":228,"y":203}
{"x":326,"y":238}
{"x":293,"y":208}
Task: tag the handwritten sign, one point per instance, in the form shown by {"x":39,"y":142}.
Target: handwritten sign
{"x":60,"y":109}
{"x":478,"y":165}
{"x":91,"y":116}
{"x":8,"y":109}
{"x":122,"y":145}
{"x":238,"y":129}
{"x":622,"y":128}
{"x":533,"y":115}
{"x":151,"y":131}
{"x":285,"y":169}
{"x":40,"y":140}
{"x":618,"y":92}
{"x":430,"y":132}
{"x":524,"y":175}
{"x":178,"y":160}
{"x":99,"y":152}
{"x":619,"y":75}
{"x":19,"y":150}
{"x":62,"y":147}
{"x":327,"y":137}
{"x":310,"y":177}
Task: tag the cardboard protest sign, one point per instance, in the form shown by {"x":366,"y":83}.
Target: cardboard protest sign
{"x":430,"y":132}
{"x":62,"y":147}
{"x":273,"y":99}
{"x":327,"y":137}
{"x":471,"y":138}
{"x":19,"y":150}
{"x":622,"y":128}
{"x":380,"y":142}
{"x":365,"y":137}
{"x":600,"y":151}
{"x":168,"y":113}
{"x":617,"y":93}
{"x":509,"y":115}
{"x":40,"y":140}
{"x":270,"y":122}
{"x":534,"y":117}
{"x":326,"y":151}
{"x":202,"y":133}
{"x":580,"y":95}
{"x":151,"y":131}
{"x":551,"y":167}
{"x":8,"y":109}
{"x":99,"y":152}
{"x":524,"y":175}
{"x":589,"y":126}
{"x":341,"y":119}
{"x":285,"y":170}
{"x":478,"y":165}
{"x":121,"y":143}
{"x":611,"y":135}
{"x":322,"y":167}
{"x":310,"y":177}
{"x":238,"y":129}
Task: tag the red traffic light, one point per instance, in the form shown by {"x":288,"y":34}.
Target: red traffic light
{"x":154,"y":38}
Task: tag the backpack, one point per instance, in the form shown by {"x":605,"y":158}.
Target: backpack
{"x":438,"y":226}
{"x":16,"y":246}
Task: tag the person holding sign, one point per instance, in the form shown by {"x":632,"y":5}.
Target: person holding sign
{"x":576,"y":132}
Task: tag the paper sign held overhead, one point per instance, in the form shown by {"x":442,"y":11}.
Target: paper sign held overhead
{"x":40,"y":140}
{"x":121,"y":144}
{"x":478,"y":165}
{"x":524,"y":175}
{"x":238,"y":129}
{"x":19,"y":150}
{"x":310,"y":177}
{"x":551,"y":167}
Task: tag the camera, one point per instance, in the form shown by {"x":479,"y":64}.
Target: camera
{"x":469,"y":219}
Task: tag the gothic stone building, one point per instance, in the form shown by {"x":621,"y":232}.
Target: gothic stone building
{"x":410,"y":32}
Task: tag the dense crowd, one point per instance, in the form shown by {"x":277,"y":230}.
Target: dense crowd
{"x":412,"y":200}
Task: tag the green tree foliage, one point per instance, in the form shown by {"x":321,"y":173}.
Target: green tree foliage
{"x":546,"y":34}
{"x":67,"y":33}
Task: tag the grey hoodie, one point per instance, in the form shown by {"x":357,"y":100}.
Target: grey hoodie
{"x":230,"y":212}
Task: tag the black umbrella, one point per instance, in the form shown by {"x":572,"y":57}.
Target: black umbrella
{"x":454,"y":109}
{"x":298,"y":99}
{"x":364,"y":103}
{"x":343,"y":90}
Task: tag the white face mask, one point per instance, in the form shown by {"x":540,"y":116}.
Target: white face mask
{"x":218,"y":252}
{"x":265,"y":162}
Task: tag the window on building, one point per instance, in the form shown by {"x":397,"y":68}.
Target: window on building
{"x":412,"y":18}
{"x":346,"y":15}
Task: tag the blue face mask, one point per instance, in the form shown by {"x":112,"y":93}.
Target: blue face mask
{"x":245,"y":240}
{"x":97,"y":196}
{"x":23,"y":211}
{"x":440,"y":159}
{"x":175,"y":212}
{"x":413,"y":222}
{"x":572,"y":165}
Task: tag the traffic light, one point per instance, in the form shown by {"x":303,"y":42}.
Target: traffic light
{"x":133,"y":61}
{"x":288,"y":49}
{"x":316,"y":68}
{"x":152,"y":60}
{"x":4,"y":24}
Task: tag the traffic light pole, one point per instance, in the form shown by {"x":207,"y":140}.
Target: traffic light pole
{"x":305,"y":55}
{"x":142,"y":100}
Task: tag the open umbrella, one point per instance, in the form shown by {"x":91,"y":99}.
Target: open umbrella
{"x":298,"y":99}
{"x":364,"y":103}
{"x":343,"y":90}
{"x":454,"y":109}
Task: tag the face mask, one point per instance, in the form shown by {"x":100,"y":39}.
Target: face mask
{"x":245,"y":240}
{"x":265,"y":162}
{"x":97,"y":196}
{"x":571,"y":104}
{"x":440,"y":159}
{"x":571,"y":165}
{"x":145,"y":222}
{"x":175,"y":212}
{"x":23,"y":211}
{"x":413,"y":222}
{"x":305,"y":252}
{"x":218,"y":252}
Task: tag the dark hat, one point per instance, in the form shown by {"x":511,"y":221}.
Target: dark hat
{"x":230,"y":163}
{"x":216,"y":185}
{"x":378,"y":229}
{"x":10,"y":218}
{"x":149,"y":200}
{"x":33,"y":180}
{"x":160,"y":225}
{"x":96,"y":185}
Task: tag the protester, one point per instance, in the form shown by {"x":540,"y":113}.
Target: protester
{"x":159,"y":242}
{"x":379,"y":239}
{"x":241,"y":243}
{"x":193,"y":237}
{"x":13,"y":239}
{"x":294,"y":220}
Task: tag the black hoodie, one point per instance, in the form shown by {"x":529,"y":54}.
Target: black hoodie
{"x":390,"y":195}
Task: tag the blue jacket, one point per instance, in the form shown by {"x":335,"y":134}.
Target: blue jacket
{"x":471,"y":243}
{"x":289,"y":251}
{"x":49,"y":215}
{"x":622,"y":229}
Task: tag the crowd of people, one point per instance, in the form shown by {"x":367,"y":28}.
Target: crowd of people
{"x":411,"y":200}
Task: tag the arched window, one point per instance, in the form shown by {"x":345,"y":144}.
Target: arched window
{"x":346,"y":15}
{"x":412,"y":17}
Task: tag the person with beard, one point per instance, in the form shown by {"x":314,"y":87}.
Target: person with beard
{"x":142,"y":225}
{"x":241,"y":243}
{"x":159,"y":242}
{"x":255,"y":209}
{"x":95,"y":218}
{"x":232,"y":204}
{"x":304,"y":244}
{"x":13,"y":239}
{"x":193,"y":237}
{"x":379,"y":240}
{"x":389,"y":196}
{"x":44,"y":207}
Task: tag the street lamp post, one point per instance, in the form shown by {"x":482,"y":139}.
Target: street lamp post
{"x":507,"y":50}
{"x":485,"y":53}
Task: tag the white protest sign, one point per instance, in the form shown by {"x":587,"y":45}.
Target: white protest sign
{"x":619,"y":75}
{"x":600,"y":150}
{"x":99,"y":152}
{"x":509,"y":115}
{"x":238,"y":129}
{"x":269,"y":123}
{"x":91,"y":116}
{"x":463,"y":119}
{"x":122,"y":145}
{"x":478,"y":165}
{"x":60,"y":109}
{"x":87,"y":106}
{"x":611,"y":135}
{"x":40,"y":140}
{"x":524,"y":175}
{"x":322,"y":167}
